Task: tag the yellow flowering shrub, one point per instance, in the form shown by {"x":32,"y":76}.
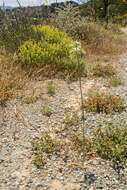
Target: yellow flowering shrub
{"x":53,"y":47}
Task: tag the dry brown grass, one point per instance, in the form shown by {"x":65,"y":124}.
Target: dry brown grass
{"x":103,"y":70}
{"x":104,"y":103}
{"x":102,"y":41}
{"x":12,"y":78}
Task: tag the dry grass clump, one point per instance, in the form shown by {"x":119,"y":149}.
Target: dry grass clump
{"x":12,"y":78}
{"x":97,"y":39}
{"x":30,"y":99}
{"x":103,"y":70}
{"x":104,"y":103}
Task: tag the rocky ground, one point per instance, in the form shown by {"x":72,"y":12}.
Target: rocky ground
{"x":21,"y":122}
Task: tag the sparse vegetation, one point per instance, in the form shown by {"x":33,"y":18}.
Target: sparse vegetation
{"x":104,"y":103}
{"x":45,"y":52}
{"x":30,"y":99}
{"x":115,"y":81}
{"x":81,"y":144}
{"x":71,"y":118}
{"x":103,"y":70}
{"x":45,"y":144}
{"x":47,"y":111}
{"x":108,"y":142}
{"x":51,"y":89}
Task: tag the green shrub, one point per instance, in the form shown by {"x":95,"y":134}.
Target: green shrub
{"x":39,"y":161}
{"x":54,"y":48}
{"x":104,"y":103}
{"x":111,"y":142}
{"x":45,"y":144}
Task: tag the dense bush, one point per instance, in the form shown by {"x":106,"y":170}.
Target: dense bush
{"x":54,"y":47}
{"x":104,"y":103}
{"x":111,"y":142}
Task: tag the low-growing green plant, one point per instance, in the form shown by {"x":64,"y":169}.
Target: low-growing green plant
{"x":47,"y":111}
{"x":104,"y":103}
{"x":115,"y":81}
{"x":81,"y":144}
{"x":71,"y":118}
{"x":43,"y":147}
{"x":54,"y":47}
{"x":45,"y":144}
{"x":39,"y":161}
{"x":110,"y":142}
{"x":51,"y":89}
{"x":30,"y":99}
{"x":103,"y":70}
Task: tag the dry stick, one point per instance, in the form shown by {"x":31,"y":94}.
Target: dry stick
{"x":82,"y":109}
{"x":19,"y":3}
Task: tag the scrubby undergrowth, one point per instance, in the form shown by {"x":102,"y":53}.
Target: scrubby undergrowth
{"x":104,"y":103}
{"x":12,"y":78}
{"x":93,"y":35}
